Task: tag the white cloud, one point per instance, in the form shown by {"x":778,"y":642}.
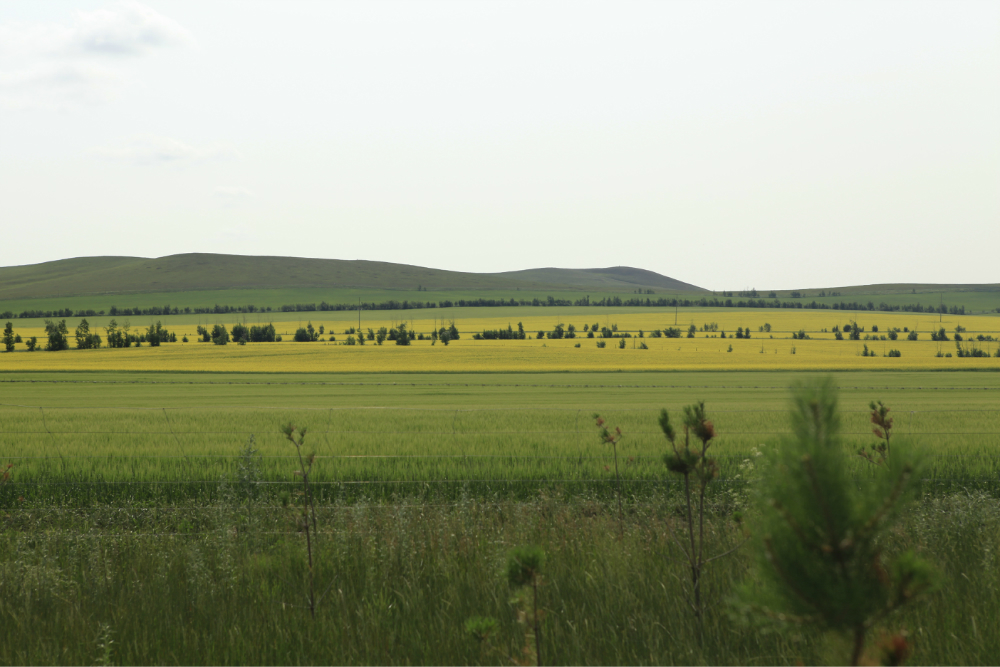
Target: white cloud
{"x":233,"y":192}
{"x":55,"y":84}
{"x":54,"y":64}
{"x":128,"y":29}
{"x":152,"y":150}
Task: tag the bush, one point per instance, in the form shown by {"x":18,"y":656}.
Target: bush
{"x":601,"y":343}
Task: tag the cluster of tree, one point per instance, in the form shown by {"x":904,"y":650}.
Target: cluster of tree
{"x":264,"y":333}
{"x":971,"y":350}
{"x":450,"y":333}
{"x":219,"y":335}
{"x":502,"y":334}
{"x":561,"y":331}
{"x":740,"y":333}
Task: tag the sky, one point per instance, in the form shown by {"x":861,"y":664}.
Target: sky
{"x":731,"y":145}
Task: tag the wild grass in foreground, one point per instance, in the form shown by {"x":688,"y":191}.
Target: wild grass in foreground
{"x":221,"y":585}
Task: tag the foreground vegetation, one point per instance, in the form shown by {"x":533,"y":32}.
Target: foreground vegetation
{"x":228,"y":587}
{"x":136,"y":496}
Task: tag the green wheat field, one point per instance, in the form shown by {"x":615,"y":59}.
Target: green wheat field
{"x":135,"y":496}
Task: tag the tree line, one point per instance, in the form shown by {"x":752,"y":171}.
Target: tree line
{"x":611,"y":301}
{"x":57,"y":335}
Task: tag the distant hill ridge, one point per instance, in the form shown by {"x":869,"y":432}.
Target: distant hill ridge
{"x":204,"y":271}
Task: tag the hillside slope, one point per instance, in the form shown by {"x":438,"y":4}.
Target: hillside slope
{"x":202,"y":271}
{"x":617,"y":277}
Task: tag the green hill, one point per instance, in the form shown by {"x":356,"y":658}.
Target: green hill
{"x":90,"y":276}
{"x":614,"y":278}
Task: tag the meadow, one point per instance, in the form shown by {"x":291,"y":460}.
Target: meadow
{"x":178,"y":435}
{"x":132,"y":497}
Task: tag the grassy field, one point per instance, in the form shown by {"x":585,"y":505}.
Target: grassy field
{"x":129,"y":500}
{"x":178,"y":435}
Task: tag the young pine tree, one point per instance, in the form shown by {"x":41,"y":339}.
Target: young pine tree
{"x":823,"y":533}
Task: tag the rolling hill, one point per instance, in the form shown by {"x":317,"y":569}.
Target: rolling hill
{"x":85,"y":276}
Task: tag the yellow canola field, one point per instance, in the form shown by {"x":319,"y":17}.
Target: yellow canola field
{"x":515,"y":356}
{"x":783,"y":322}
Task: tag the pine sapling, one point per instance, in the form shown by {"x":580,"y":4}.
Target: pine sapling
{"x":822,"y":534}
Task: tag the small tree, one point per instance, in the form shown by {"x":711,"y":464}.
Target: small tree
{"x":219,"y":335}
{"x":8,"y":337}
{"x":821,"y":538}
{"x":31,"y":343}
{"x":58,"y":335}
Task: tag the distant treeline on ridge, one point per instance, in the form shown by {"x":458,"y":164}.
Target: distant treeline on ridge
{"x":661,"y":302}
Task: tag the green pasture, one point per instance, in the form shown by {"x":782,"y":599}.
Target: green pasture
{"x":178,"y":435}
{"x":129,"y":501}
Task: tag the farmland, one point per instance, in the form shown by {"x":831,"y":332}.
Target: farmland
{"x":441,"y":435}
{"x":131,"y":496}
{"x":154,"y":481}
{"x":775,"y":349}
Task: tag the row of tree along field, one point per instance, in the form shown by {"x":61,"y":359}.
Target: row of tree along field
{"x":123,"y":335}
{"x":661,"y":302}
{"x":57,"y":334}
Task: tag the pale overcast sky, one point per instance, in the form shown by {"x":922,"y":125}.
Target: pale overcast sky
{"x":726,"y":144}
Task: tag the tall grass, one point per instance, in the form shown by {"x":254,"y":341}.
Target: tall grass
{"x":409,"y":576}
